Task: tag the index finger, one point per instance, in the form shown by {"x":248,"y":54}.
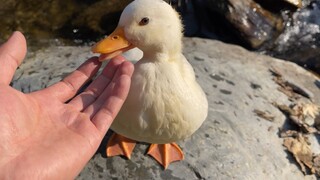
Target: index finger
{"x":111,"y":100}
{"x":69,"y":86}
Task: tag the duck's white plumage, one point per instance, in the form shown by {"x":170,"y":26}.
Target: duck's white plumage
{"x":165,"y":103}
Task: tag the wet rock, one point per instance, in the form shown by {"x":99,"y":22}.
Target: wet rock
{"x":297,"y":3}
{"x":233,"y":143}
{"x":300,"y":40}
{"x":246,"y":19}
{"x":277,"y":6}
{"x":255,"y":25}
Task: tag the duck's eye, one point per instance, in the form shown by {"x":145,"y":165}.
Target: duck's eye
{"x":144,"y":21}
{"x":115,"y":37}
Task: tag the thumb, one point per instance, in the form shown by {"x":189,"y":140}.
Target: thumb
{"x":12,"y":53}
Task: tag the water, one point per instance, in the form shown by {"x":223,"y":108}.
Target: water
{"x":300,"y":40}
{"x":301,"y":29}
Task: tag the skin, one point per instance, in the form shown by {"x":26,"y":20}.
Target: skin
{"x":42,"y":136}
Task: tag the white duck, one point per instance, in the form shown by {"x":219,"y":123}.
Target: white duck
{"x":165,"y":103}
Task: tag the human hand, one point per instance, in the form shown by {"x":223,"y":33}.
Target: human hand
{"x":41,"y":136}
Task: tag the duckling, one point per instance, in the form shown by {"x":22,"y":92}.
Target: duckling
{"x":165,"y":104}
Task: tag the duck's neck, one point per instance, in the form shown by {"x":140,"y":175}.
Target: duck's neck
{"x":163,"y":54}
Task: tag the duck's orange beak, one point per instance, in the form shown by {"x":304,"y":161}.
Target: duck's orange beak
{"x":115,"y":44}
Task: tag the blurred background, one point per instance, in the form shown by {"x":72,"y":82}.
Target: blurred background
{"x":286,"y":29}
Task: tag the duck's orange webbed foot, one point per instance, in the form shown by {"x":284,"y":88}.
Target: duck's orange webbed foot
{"x":120,"y":145}
{"x":166,"y":153}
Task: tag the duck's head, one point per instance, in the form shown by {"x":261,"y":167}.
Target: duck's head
{"x":151,"y":25}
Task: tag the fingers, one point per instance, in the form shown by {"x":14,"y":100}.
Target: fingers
{"x":106,"y":107}
{"x":12,"y":53}
{"x":87,"y":97}
{"x":69,"y":86}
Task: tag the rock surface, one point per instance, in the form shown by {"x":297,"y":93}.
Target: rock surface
{"x":233,"y":143}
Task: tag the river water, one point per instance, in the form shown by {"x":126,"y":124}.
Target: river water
{"x":300,"y":40}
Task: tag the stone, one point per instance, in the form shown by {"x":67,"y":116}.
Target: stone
{"x":245,"y":21}
{"x":233,"y":143}
{"x":276,"y":5}
{"x":253,"y":23}
{"x":297,"y":3}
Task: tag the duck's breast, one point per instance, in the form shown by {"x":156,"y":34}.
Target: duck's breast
{"x":165,"y":103}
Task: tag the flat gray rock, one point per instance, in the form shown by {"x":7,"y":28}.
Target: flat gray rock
{"x":233,"y":143}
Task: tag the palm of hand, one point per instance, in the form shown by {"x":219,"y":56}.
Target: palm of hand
{"x":42,"y":135}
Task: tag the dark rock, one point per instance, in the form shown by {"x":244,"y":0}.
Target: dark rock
{"x":229,"y":20}
{"x":249,"y":20}
{"x":297,"y":3}
{"x":276,"y":6}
